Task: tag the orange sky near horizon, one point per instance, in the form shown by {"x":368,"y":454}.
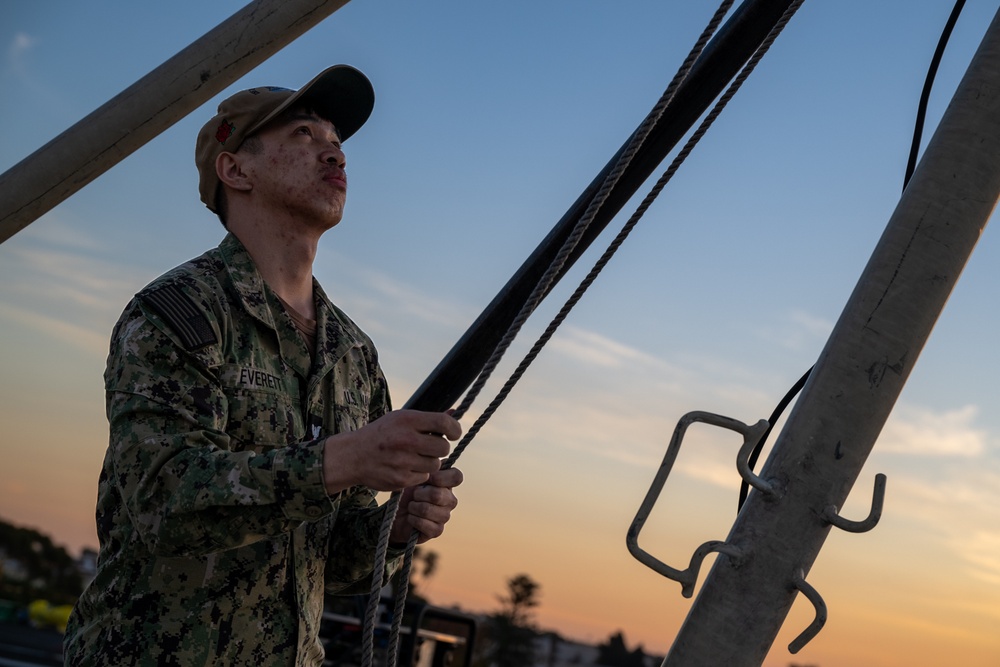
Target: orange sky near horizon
{"x":590,"y":586}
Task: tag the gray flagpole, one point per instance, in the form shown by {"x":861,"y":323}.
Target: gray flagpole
{"x":853,"y":387}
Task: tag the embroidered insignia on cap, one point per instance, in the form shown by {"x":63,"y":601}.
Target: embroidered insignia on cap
{"x":224,"y":131}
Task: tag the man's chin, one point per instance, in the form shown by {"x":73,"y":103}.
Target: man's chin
{"x":329,"y":218}
{"x":333,"y":220}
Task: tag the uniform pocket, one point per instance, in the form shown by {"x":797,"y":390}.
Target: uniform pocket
{"x":263,"y":409}
{"x":352,"y":388}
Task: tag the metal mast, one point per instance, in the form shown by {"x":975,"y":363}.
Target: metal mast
{"x":853,"y":387}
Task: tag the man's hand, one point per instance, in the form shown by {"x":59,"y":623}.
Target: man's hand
{"x":426,"y":508}
{"x":401,"y":449}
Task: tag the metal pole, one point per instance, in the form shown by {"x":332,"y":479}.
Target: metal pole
{"x":854,"y":384}
{"x":152,"y":104}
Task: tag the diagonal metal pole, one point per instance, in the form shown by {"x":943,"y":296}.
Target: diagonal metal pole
{"x":737,"y":40}
{"x":138,"y":114}
{"x":854,"y":385}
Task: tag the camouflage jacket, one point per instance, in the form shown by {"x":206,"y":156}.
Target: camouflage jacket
{"x":218,"y":540}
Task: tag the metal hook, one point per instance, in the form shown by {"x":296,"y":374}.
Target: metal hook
{"x":743,"y":459}
{"x":694,"y":567}
{"x":688,"y":577}
{"x":831,"y":512}
{"x":799,"y":581}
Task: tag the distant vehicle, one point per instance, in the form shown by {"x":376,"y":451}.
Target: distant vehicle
{"x":429,"y":636}
{"x":42,"y":614}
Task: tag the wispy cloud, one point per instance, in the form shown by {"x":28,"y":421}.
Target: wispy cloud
{"x":923,"y":432}
{"x":16,"y":68}
{"x":981,"y":550}
{"x":68,"y":279}
{"x":598,"y":350}
{"x":811,"y":324}
{"x":55,"y":232}
{"x":614,"y":402}
{"x":413,"y":303}
{"x":64,"y":330}
{"x":599,"y":428}
{"x":19,"y":45}
{"x":797,"y":330}
{"x":717,"y":473}
{"x":56,"y":286}
{"x":374,"y":295}
{"x":956,"y":507}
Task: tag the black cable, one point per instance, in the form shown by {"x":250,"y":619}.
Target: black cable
{"x":910,"y":167}
{"x":926,"y":93}
{"x":771,"y":421}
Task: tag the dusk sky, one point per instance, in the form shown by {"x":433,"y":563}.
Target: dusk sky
{"x":490,"y":120}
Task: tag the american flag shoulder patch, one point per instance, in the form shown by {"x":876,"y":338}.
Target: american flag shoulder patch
{"x":178,"y":310}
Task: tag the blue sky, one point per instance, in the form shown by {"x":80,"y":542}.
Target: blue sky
{"x":490,"y":120}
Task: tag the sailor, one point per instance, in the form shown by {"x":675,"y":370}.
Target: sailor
{"x":250,"y":421}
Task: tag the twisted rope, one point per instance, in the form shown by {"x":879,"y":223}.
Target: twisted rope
{"x":622,"y":235}
{"x":541,"y":289}
{"x":635,"y":143}
{"x":538,"y":293}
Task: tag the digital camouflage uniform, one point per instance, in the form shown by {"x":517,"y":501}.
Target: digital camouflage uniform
{"x":218,"y":540}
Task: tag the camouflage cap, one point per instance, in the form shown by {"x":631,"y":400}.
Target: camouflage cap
{"x":341,"y":94}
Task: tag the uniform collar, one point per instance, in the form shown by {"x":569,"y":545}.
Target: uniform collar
{"x":335,"y":333}
{"x":246,"y":279}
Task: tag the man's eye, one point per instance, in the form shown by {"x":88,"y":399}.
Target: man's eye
{"x":303,"y":130}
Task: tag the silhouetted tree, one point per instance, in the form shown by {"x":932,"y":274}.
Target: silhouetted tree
{"x":508,"y":640}
{"x":521,"y":599}
{"x":616,"y":654}
{"x":36,"y":568}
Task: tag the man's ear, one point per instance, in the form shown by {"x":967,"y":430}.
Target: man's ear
{"x":229,"y":169}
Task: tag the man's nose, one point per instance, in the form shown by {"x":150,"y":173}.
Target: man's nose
{"x":335,"y":155}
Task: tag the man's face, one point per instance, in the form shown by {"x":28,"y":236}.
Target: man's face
{"x":300,"y":170}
